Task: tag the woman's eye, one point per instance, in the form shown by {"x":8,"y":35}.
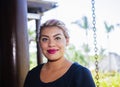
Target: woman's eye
{"x":44,"y":39}
{"x":57,"y":38}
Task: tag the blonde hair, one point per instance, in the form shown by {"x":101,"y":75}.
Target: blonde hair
{"x":57,"y":23}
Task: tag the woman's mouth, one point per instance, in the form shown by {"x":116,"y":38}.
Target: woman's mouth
{"x":52,"y":51}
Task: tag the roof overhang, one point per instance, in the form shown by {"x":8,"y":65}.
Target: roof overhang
{"x":35,"y":6}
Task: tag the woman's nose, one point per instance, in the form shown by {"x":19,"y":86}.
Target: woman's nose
{"x":51,"y":43}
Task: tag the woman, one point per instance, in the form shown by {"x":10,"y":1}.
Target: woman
{"x":57,"y":71}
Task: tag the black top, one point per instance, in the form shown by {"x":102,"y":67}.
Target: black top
{"x":76,"y":76}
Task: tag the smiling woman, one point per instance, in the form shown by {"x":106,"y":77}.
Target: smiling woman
{"x":57,"y":71}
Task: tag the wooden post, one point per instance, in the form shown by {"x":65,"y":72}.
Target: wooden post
{"x":39,"y":56}
{"x":14,"y":52}
{"x":22,"y":45}
{"x":7,"y":24}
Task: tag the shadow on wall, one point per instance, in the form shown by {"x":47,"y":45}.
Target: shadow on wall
{"x":110,"y":63}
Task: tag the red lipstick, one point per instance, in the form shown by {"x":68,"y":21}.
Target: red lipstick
{"x":51,"y":51}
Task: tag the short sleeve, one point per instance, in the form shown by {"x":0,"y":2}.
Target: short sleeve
{"x":83,"y":78}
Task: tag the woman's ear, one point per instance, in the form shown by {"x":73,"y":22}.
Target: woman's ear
{"x":67,"y":41}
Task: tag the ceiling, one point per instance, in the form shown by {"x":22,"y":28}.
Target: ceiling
{"x":35,"y":6}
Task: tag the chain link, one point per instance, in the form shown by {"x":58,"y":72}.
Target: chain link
{"x":95,"y":43}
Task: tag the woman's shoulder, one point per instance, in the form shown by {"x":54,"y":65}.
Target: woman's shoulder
{"x":80,"y":69}
{"x":79,"y":66}
{"x":82,"y":76}
{"x":36,"y":68}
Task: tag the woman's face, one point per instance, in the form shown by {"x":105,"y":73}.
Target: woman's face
{"x":53,"y":43}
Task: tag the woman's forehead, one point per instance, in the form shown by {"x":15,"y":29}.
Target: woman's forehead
{"x":52,"y":31}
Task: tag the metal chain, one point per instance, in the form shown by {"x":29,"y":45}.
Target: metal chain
{"x":95,"y":43}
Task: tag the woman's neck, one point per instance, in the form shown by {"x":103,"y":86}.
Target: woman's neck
{"x":56,"y":65}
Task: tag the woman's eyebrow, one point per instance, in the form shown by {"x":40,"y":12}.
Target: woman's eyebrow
{"x":48,"y":36}
{"x":44,"y":36}
{"x":56,"y":34}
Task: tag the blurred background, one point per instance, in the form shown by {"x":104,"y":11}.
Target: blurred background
{"x":77,"y":15}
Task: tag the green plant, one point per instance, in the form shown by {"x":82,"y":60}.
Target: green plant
{"x":108,"y":79}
